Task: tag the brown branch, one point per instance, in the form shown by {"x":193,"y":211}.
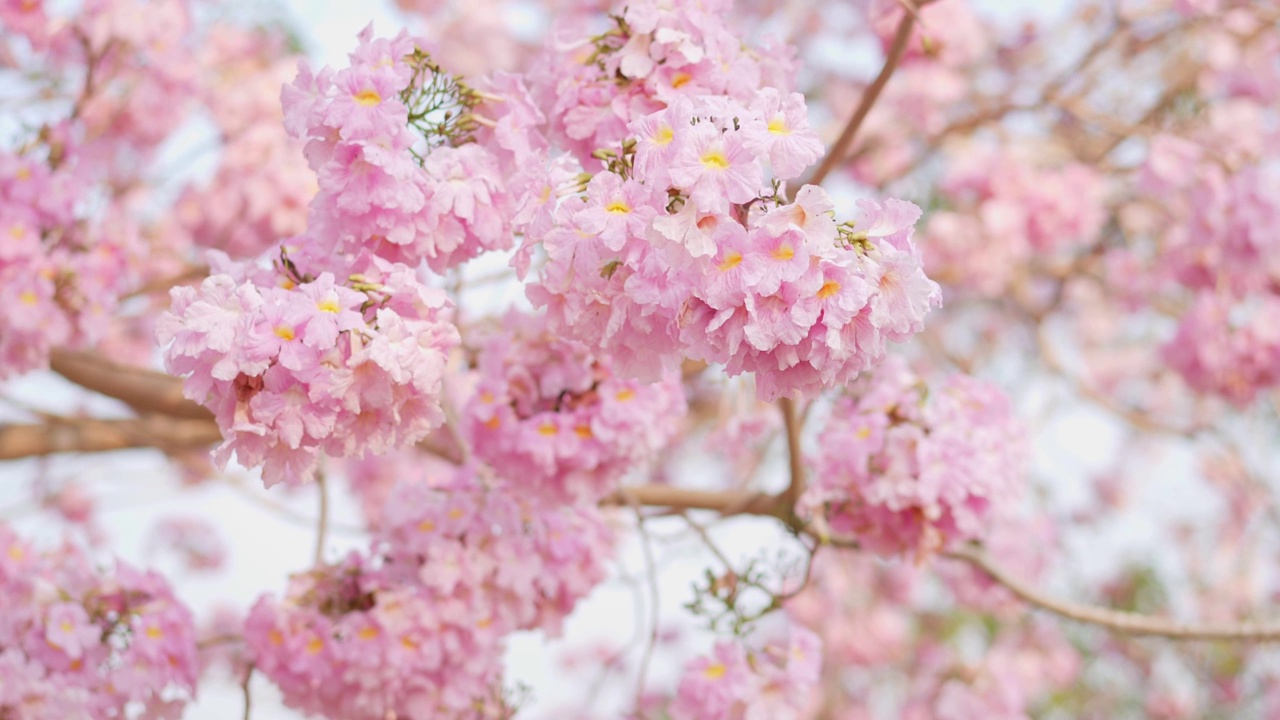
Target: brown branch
{"x":725,"y":502}
{"x":868,"y":100}
{"x":795,"y":459}
{"x":734,"y":502}
{"x":90,"y":435}
{"x":1127,"y":623}
{"x":146,"y":391}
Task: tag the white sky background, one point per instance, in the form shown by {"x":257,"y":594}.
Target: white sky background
{"x":136,"y":489}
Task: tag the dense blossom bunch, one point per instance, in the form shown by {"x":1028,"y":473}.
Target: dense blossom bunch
{"x":504,"y":560}
{"x":907,"y":467}
{"x":676,"y":251}
{"x":548,"y":414}
{"x":736,"y":682}
{"x":417,"y":629}
{"x":1221,"y":248}
{"x":392,"y":141}
{"x":652,"y":53}
{"x":347,"y":643}
{"x":77,"y":643}
{"x":313,"y":366}
{"x":262,"y":186}
{"x":58,"y":278}
{"x":1003,"y":211}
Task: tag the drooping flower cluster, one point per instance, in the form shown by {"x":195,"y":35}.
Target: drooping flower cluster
{"x":77,"y":643}
{"x":676,"y":250}
{"x":905,"y":467}
{"x":417,"y":629}
{"x":391,"y":139}
{"x":774,"y":680}
{"x":312,"y":367}
{"x":549,"y":415}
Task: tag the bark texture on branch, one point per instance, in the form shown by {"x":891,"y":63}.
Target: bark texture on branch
{"x":91,"y":435}
{"x":146,"y":391}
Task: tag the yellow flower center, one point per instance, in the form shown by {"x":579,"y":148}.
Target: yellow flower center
{"x":715,"y":671}
{"x":328,"y":305}
{"x":426,"y":526}
{"x":368,"y":97}
{"x":625,"y":395}
{"x":284,"y":332}
{"x":368,"y":633}
{"x":154,"y":632}
{"x":829,"y":288}
{"x":715,"y":159}
{"x":28,"y":298}
{"x":731,"y":260}
{"x":664,"y":136}
{"x":456,"y":513}
{"x":680,"y":79}
{"x":778,"y":126}
{"x":863,"y":433}
{"x":548,"y":429}
{"x":275,"y":638}
{"x":784,"y":252}
{"x":583,"y":431}
{"x":618,"y":207}
{"x":315,"y":646}
{"x":16,"y":553}
{"x":17,"y":231}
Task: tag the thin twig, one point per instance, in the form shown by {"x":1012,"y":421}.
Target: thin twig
{"x":322,"y":522}
{"x":654,"y":610}
{"x":795,"y":458}
{"x":244,"y":686}
{"x":1128,"y":623}
{"x":842,"y":144}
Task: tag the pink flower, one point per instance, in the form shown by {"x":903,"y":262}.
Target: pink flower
{"x":779,"y":130}
{"x":714,"y":167}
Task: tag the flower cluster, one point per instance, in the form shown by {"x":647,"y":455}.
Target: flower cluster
{"x":314,"y":366}
{"x":262,"y":186}
{"x":906,"y":467}
{"x":737,"y":682}
{"x":1220,"y":248}
{"x":1003,"y":210}
{"x":346,"y":643}
{"x":75,"y":643}
{"x":59,"y":277}
{"x":417,"y":629}
{"x":676,"y":250}
{"x":508,"y":561}
{"x":391,"y":139}
{"x":653,"y":53}
{"x":552,"y":416}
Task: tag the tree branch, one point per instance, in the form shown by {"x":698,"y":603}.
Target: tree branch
{"x":90,"y":435}
{"x":795,"y":459}
{"x":1127,"y":623}
{"x":842,"y":144}
{"x":146,"y":391}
